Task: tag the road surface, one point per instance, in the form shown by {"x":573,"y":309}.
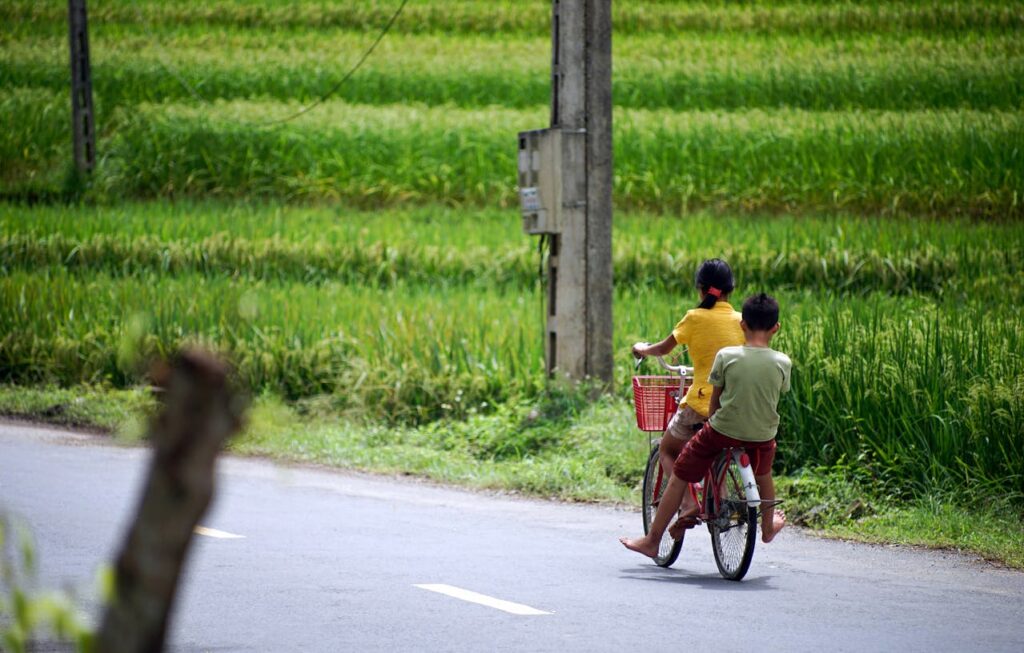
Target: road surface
{"x":306,"y":559}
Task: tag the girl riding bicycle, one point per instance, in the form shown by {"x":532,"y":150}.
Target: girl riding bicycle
{"x":703,"y":330}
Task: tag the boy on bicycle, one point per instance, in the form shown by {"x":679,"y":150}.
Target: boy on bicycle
{"x":747,"y":381}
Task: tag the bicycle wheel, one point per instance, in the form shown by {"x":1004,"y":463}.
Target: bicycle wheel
{"x":654,"y":480}
{"x":732,"y":523}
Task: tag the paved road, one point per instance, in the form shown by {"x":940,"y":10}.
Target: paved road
{"x":332,"y":561}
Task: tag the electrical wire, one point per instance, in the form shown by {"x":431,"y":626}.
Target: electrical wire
{"x":352,"y":71}
{"x":161,"y":56}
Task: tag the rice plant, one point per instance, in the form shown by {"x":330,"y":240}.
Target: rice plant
{"x":532,"y":16}
{"x":931,"y":396}
{"x":707,"y":71}
{"x":939,"y":162}
{"x":878,"y":107}
{"x":433,"y":247}
{"x":861,"y":160}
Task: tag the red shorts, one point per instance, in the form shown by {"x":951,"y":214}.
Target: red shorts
{"x":701,"y":450}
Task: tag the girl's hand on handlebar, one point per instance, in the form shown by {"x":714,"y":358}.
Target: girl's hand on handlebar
{"x":640,"y":349}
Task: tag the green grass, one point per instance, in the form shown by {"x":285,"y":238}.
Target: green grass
{"x":533,"y":16}
{"x":932,"y":396}
{"x":106,"y":409}
{"x":941,"y":162}
{"x":931,"y":162}
{"x":845,"y":502}
{"x":363,"y":265}
{"x":706,"y":72}
{"x":402,"y":358}
{"x":558,"y":447}
{"x":420,"y":315}
{"x":547,"y":448}
{"x":484,"y":248}
{"x":897,"y":107}
{"x":994,"y":534}
{"x":35,"y":151}
{"x":436,"y":245}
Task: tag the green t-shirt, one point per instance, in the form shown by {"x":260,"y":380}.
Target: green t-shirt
{"x":752,"y":379}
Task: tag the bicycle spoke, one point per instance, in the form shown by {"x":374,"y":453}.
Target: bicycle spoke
{"x":733,"y":528}
{"x":654,"y":485}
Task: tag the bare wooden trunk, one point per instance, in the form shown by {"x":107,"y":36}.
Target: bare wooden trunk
{"x":200,"y":411}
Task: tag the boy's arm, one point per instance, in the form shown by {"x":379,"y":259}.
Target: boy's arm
{"x":716,"y":400}
{"x":717,"y":380}
{"x":787,"y":371}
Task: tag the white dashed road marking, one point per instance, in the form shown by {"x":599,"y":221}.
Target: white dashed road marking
{"x":213,"y":532}
{"x":482,"y":599}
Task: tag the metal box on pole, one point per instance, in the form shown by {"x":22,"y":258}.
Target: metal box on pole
{"x":540,"y":180}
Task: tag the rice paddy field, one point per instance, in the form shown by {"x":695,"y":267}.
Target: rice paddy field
{"x":871,"y":107}
{"x":363,"y":262}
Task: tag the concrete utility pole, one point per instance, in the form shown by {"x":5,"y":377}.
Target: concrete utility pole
{"x":565,"y":180}
{"x":82,"y":125}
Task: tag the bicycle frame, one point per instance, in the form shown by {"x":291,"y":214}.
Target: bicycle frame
{"x":749,"y":487}
{"x":699,"y":491}
{"x":716,"y":477}
{"x":727,"y":499}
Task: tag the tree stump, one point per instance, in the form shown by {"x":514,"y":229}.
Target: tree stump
{"x":200,"y":412}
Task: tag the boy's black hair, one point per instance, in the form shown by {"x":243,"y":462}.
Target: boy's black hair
{"x":714,"y":273}
{"x":760,"y":312}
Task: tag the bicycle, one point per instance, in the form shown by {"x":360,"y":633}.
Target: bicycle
{"x":728,"y":497}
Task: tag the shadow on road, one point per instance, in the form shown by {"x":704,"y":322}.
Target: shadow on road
{"x":652,"y":573}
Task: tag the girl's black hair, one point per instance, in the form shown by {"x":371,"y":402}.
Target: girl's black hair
{"x":714,"y":273}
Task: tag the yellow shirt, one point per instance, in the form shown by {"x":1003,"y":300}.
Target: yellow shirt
{"x":704,"y":331}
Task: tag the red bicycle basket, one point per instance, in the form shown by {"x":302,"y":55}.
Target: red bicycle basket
{"x":654,"y":400}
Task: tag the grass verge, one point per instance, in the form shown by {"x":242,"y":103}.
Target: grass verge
{"x":841,"y":503}
{"x":548,"y":448}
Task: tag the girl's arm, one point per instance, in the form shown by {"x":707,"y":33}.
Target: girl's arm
{"x":659,"y":349}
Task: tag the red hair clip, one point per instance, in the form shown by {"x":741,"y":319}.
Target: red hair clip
{"x":714,"y":292}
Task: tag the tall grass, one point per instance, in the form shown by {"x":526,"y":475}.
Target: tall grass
{"x":921,"y":161}
{"x":938,"y":162}
{"x":926,"y":393}
{"x":485,"y":248}
{"x":397,"y":358}
{"x":533,"y":16}
{"x":903,"y":107}
{"x":919,"y":396}
{"x":35,"y":149}
{"x":500,"y":229}
{"x":705,"y":72}
{"x":921,"y":405}
{"x":905,"y":334}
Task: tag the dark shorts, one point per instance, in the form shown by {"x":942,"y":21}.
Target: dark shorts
{"x":701,"y":450}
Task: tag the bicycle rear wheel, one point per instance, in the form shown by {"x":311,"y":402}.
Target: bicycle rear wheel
{"x":655,"y":482}
{"x":733,"y":524}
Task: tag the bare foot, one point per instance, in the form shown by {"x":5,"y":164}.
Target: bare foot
{"x":778,"y":522}
{"x":640,"y":545}
{"x":686,"y":520}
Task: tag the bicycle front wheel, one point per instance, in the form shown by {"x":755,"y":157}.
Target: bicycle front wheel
{"x":733,"y":524}
{"x":654,"y":485}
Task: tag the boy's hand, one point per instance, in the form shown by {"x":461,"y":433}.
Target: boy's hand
{"x":640,"y":349}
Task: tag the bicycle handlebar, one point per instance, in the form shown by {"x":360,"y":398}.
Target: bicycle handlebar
{"x":681,"y":370}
